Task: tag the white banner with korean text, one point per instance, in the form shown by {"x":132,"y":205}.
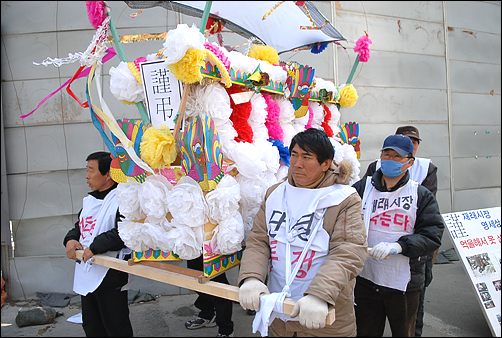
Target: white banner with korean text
{"x":162,"y":93}
{"x":476,"y":235}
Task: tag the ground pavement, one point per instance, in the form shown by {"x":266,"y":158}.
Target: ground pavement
{"x":452,"y":310}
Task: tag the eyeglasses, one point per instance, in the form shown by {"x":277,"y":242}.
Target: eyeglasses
{"x":388,"y":155}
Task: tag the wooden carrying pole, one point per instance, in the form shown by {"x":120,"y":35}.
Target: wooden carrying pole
{"x":185,"y":281}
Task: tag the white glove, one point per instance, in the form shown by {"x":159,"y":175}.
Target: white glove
{"x":249,"y":293}
{"x":383,"y":249}
{"x":311,"y":312}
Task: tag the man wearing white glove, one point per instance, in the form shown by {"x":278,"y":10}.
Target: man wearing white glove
{"x":311,"y":312}
{"x":384,"y":249}
{"x":250,"y":292}
{"x":403,"y":224}
{"x":308,"y":239}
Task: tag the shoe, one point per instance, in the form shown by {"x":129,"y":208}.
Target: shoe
{"x":225,"y":335}
{"x":197,"y":323}
{"x":250,"y":312}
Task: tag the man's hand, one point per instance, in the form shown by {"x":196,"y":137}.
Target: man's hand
{"x":249,"y":293}
{"x":384,"y":249}
{"x":311,"y":311}
{"x":71,"y":246}
{"x":87,"y":255}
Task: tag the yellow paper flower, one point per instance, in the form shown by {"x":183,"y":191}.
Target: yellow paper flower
{"x":187,"y":69}
{"x":158,"y":147}
{"x":265,"y":53}
{"x":348,"y":96}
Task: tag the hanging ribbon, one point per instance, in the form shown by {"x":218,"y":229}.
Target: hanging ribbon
{"x":98,"y":123}
{"x":120,"y":52}
{"x":71,"y":93}
{"x":107,"y":117}
{"x":110,"y":53}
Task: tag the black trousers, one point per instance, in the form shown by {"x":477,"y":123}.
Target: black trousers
{"x":375,"y":303}
{"x":211,"y":305}
{"x":420,"y":313}
{"x":105,"y":312}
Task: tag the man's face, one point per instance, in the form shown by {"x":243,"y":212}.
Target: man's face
{"x":95,"y":180}
{"x":305,"y":168}
{"x":416,"y":144}
{"x":393,"y":155}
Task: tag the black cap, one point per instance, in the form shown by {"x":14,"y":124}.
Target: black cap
{"x":409,"y":131}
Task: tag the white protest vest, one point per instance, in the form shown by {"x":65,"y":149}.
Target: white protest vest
{"x":96,"y":217}
{"x":387,"y":217}
{"x":298,"y":242}
{"x":418,"y":171}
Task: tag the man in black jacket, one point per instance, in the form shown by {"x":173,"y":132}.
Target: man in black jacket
{"x":403,"y":224}
{"x":105,"y":309}
{"x":424,"y":172}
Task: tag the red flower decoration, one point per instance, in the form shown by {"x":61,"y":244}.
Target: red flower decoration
{"x":214,"y":26}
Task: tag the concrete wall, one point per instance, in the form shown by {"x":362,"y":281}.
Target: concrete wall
{"x":433,"y":64}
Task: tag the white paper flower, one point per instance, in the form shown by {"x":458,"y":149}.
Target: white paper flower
{"x":318,"y":117}
{"x":187,"y":204}
{"x":129,"y":205}
{"x":286,"y":118}
{"x":269,"y":155}
{"x":300,"y":122}
{"x":247,"y":160}
{"x":153,"y":195}
{"x":133,"y":235}
{"x":223,"y":201}
{"x":252,"y":195}
{"x":179,"y":40}
{"x":212,"y":100}
{"x":230,"y":234}
{"x":123,"y":84}
{"x":187,"y":242}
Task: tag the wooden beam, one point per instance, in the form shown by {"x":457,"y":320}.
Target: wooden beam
{"x":186,"y":281}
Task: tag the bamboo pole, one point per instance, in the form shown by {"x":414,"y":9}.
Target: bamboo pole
{"x":186,"y":281}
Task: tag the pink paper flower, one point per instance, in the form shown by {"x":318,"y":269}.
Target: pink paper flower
{"x":96,"y":11}
{"x":363,"y":48}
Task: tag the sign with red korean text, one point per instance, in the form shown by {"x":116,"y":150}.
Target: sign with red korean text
{"x":476,"y":235}
{"x":162,"y":93}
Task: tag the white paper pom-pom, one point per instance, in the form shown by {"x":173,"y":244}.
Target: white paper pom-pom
{"x":318,"y":117}
{"x":123,"y":84}
{"x":223,"y":201}
{"x":186,"y":203}
{"x":179,"y":40}
{"x":230,"y":234}
{"x":129,"y":205}
{"x":153,"y":195}
{"x":187,"y":242}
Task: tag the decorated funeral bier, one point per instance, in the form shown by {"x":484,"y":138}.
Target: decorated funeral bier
{"x":212,"y":133}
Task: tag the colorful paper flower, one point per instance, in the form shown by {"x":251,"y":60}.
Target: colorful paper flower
{"x":158,"y":147}
{"x":96,"y":11}
{"x":363,"y":48}
{"x":265,"y":53}
{"x":348,"y":96}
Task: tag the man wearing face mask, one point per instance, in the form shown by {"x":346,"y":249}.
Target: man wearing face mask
{"x":403,"y":224}
{"x":424,"y":172}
